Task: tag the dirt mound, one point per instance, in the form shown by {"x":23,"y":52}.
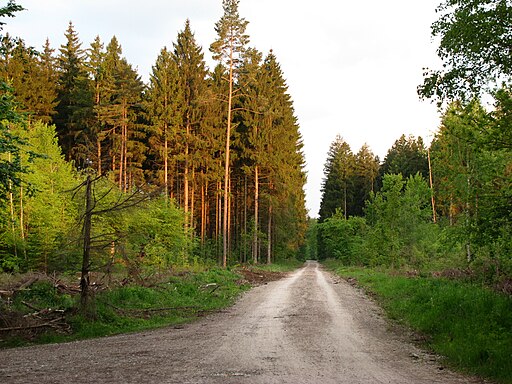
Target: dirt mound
{"x":254,"y":276}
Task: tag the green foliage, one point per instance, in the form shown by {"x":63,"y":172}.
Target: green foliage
{"x":155,"y":233}
{"x":48,"y":212}
{"x":471,"y":167}
{"x":399,"y":217}
{"x":309,"y":250}
{"x":342,"y":239}
{"x":407,"y":157}
{"x":232,"y":40}
{"x":396,"y":230}
{"x":468,"y":324}
{"x":475,"y":39}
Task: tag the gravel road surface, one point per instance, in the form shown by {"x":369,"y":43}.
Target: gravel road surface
{"x":310,"y":327}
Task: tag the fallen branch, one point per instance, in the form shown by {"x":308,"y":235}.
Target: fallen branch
{"x":30,"y":306}
{"x":27,"y":327}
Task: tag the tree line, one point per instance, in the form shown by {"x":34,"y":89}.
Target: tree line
{"x":217,"y":154}
{"x":448,"y":205}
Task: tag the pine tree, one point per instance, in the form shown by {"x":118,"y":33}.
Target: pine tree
{"x":229,"y":49}
{"x":96,"y":68}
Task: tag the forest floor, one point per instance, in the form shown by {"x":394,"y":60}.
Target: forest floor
{"x":308,"y":327}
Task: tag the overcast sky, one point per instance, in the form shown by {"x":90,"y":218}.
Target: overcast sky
{"x":352,"y":67}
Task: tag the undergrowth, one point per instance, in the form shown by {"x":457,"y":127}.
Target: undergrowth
{"x":468,"y":324}
{"x":176,"y":300}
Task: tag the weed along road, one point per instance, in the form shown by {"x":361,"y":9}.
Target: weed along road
{"x":307,"y":328}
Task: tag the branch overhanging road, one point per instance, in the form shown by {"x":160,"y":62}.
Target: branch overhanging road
{"x":308,"y":328}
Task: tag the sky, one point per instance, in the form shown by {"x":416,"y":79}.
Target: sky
{"x":352,"y":67}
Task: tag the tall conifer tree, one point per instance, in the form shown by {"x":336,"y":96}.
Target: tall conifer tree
{"x":229,"y":49}
{"x":191,"y":71}
{"x":163,"y":98}
{"x":74,"y":96}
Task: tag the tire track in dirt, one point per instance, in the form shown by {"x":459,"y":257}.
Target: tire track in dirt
{"x":307,"y":328}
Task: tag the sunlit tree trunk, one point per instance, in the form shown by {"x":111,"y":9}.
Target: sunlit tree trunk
{"x":256,"y":218}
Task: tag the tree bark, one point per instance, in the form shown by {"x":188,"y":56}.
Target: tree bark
{"x":166,"y":163}
{"x":226,"y":166}
{"x":269,"y":235}
{"x":256,"y":218}
{"x":86,"y":257}
{"x":432,"y":197}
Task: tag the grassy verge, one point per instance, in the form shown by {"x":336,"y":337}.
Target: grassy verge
{"x":287,"y":265}
{"x":468,"y":324}
{"x":176,"y":300}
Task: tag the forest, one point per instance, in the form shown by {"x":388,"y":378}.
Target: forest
{"x":101,"y":171}
{"x":447,"y":206}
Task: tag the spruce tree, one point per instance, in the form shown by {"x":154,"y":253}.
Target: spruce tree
{"x":365,"y":176}
{"x":407,"y":156}
{"x":162,"y":103}
{"x":75,"y":99}
{"x":191,"y":72}
{"x":336,"y":186}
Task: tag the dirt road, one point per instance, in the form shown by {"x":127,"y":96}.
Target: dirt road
{"x":308,"y":328}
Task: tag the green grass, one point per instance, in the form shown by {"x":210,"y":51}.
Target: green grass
{"x":468,"y":324}
{"x":286,"y":265}
{"x":178,"y":300}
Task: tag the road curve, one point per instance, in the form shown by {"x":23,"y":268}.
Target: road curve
{"x":308,"y":328}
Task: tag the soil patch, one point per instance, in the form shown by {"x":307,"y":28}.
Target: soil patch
{"x":256,"y":277}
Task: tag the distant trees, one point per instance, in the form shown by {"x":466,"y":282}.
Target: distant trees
{"x":470,"y":164}
{"x":407,"y":156}
{"x":349,"y":180}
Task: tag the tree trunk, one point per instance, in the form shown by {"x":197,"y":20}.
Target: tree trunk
{"x":185,"y":184}
{"x":125,"y":147}
{"x":86,"y":257}
{"x":22,"y":224}
{"x":245,"y":220}
{"x":121,"y":159}
{"x":432,"y":198}
{"x":192,"y":201}
{"x":166,"y":164}
{"x":98,"y":147}
{"x":228,"y":232}
{"x":269,"y":235}
{"x":226,"y":165}
{"x":256,"y":218}
{"x":13,"y":220}
{"x":203,"y":213}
